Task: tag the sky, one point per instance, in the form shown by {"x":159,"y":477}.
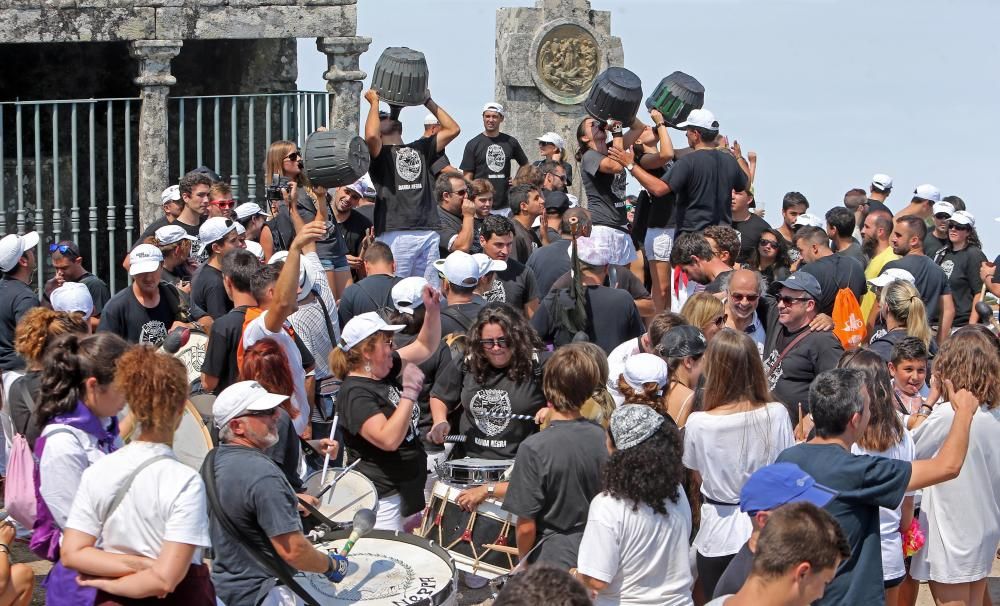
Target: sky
{"x":827,"y":92}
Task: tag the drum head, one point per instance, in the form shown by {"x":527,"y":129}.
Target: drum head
{"x":353,"y":492}
{"x":192,"y":354}
{"x":386,"y":569}
{"x":192,"y":440}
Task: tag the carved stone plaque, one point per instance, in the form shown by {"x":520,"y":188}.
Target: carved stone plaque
{"x":566,"y":61}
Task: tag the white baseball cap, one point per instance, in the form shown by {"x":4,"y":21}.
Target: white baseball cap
{"x":215,"y":229}
{"x":493,"y":106}
{"x":247,"y":210}
{"x":486,"y":264}
{"x":890,"y":275}
{"x":408,"y":294}
{"x":143,"y":259}
{"x":168,"y":234}
{"x":963,"y":217}
{"x":927,"y":192}
{"x":882,"y":181}
{"x":811,"y":220}
{"x":256,"y":249}
{"x":307,"y":276}
{"x":361,"y":327}
{"x":431,"y":119}
{"x":554,"y":139}
{"x":171,"y":194}
{"x":73,"y":297}
{"x":645,"y":368}
{"x":243,"y":397}
{"x":13,"y":247}
{"x":362,"y":187}
{"x":591,"y":252}
{"x":700,"y":118}
{"x":459,"y":268}
{"x":944,"y":207}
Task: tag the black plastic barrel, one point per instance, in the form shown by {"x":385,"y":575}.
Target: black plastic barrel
{"x":615,"y":95}
{"x":675,"y":96}
{"x":335,"y":157}
{"x":400,"y":76}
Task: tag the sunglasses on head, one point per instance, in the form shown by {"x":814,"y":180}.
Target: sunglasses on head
{"x":64,"y":249}
{"x":294,"y":156}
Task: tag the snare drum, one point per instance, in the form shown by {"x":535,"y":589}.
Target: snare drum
{"x":353,"y":492}
{"x":474,"y":472}
{"x":386,"y":568}
{"x":482,"y":542}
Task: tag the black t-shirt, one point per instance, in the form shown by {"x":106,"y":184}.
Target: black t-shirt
{"x":450,"y":227}
{"x":853,"y":251}
{"x":460,"y":316}
{"x":549,"y":263}
{"x":285,"y":453}
{"x":556,"y":474}
{"x":833,"y":273}
{"x":209,"y":293}
{"x":930,"y":280}
{"x":715,"y":286}
{"x":16,"y":298}
{"x":791,"y":377}
{"x":404,"y":186}
{"x":283,"y":230}
{"x":626,"y":280}
{"x":863,"y":483}
{"x":704,"y":181}
{"x":130,"y":320}
{"x":612,"y":318}
{"x":932,"y":244}
{"x":432,"y":367}
{"x":439,"y":165}
{"x":374,"y":293}
{"x":489,"y":158}
{"x":354,"y":230}
{"x":150,"y":230}
{"x":962,"y":269}
{"x":402,"y":471}
{"x":516,"y":286}
{"x":220,"y":356}
{"x":605,"y":192}
{"x":750,"y":231}
{"x":525,"y":242}
{"x":566,"y":165}
{"x":736,"y":573}
{"x":656,"y":211}
{"x":486,"y":407}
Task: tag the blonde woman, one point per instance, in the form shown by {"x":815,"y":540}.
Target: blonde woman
{"x":904,"y":314}
{"x":705,"y":312}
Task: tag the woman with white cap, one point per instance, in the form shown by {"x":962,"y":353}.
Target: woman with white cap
{"x":739,"y":412}
{"x":378,"y":409}
{"x":642,"y":381}
{"x":961,"y":260}
{"x":635,"y":545}
{"x":903,"y":313}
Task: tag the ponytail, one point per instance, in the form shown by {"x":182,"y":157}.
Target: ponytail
{"x":70,"y":361}
{"x":902,"y":300}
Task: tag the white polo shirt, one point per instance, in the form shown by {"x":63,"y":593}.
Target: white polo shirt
{"x":166,"y":502}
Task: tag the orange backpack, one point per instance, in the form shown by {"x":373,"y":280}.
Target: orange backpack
{"x":848,"y":322}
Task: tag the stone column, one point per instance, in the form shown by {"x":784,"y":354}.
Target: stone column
{"x":344,"y":78}
{"x":154,"y":82}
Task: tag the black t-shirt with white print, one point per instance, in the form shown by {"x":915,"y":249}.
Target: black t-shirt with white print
{"x":962,"y":269}
{"x":404,"y":186}
{"x":487,"y":407}
{"x":402,"y":471}
{"x":817,"y":352}
{"x":515,"y":286}
{"x":130,"y":320}
{"x":489,"y":158}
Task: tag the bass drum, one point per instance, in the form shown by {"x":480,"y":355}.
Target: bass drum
{"x":192,"y":441}
{"x":192,"y":354}
{"x":386,"y":569}
{"x":352,"y":493}
{"x":335,"y":157}
{"x":400,"y":77}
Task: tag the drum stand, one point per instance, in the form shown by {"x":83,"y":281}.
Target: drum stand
{"x":499,"y":545}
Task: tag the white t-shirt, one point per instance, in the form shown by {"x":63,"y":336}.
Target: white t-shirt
{"x":720,"y":601}
{"x":642,"y":555}
{"x":616,"y":366}
{"x":64,"y":459}
{"x":889,"y":519}
{"x":257,"y":330}
{"x":726,"y":449}
{"x":166,"y":502}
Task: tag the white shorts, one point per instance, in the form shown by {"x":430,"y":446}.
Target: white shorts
{"x":616,"y":242}
{"x":658,"y":243}
{"x":387,"y":517}
{"x":414,"y":252}
{"x":503,"y":212}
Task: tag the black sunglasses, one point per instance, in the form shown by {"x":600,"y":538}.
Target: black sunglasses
{"x":294,"y":156}
{"x":789,"y":301}
{"x":768,"y":243}
{"x":259,"y":413}
{"x":958,"y":226}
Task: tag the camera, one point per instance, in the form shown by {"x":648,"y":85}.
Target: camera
{"x":273,"y":192}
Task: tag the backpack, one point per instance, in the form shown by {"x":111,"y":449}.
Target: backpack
{"x":848,"y":322}
{"x":19,"y":487}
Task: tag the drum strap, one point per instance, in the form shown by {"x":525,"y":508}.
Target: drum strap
{"x":265,"y":557}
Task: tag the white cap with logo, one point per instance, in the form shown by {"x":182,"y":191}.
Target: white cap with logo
{"x":882,"y":181}
{"x":963,"y":217}
{"x":408,"y":294}
{"x":944,"y":208}
{"x":144,"y":259}
{"x":215,"y":229}
{"x":243,"y":397}
{"x":493,"y":106}
{"x":554,"y":139}
{"x":890,"y":275}
{"x":700,"y":118}
{"x":73,"y":297}
{"x":247,"y":210}
{"x":168,"y":234}
{"x":307,"y":275}
{"x":486,"y":264}
{"x":171,"y":194}
{"x":645,"y":368}
{"x":810,"y":220}
{"x":362,"y":326}
{"x":13,"y":247}
{"x":459,"y":268}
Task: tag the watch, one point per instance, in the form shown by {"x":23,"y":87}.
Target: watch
{"x":630,"y":166}
{"x":490,"y":489}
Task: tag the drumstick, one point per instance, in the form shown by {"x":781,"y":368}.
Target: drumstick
{"x":337,"y":479}
{"x":326,"y":459}
{"x":501,"y":548}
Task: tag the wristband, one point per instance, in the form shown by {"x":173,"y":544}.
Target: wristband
{"x":659,"y":124}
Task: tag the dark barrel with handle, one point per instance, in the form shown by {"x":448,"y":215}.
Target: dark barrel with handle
{"x":335,"y":157}
{"x":400,"y":78}
{"x":675,"y":96}
{"x":615,"y":95}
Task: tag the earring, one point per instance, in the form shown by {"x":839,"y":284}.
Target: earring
{"x":368,"y":368}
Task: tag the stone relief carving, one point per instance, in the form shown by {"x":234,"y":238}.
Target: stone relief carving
{"x":567,"y":59}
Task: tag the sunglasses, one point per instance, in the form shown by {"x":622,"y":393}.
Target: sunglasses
{"x":461,"y":192}
{"x":557,"y":176}
{"x":768,"y":244}
{"x":64,"y":249}
{"x":742,"y":297}
{"x":223,"y":203}
{"x":958,"y":226}
{"x":942,"y":216}
{"x":789,"y":301}
{"x":259,"y":413}
{"x":720,"y":320}
{"x":294,"y":156}
{"x":500,"y":343}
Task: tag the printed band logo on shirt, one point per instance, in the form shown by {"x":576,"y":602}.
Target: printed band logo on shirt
{"x":153,"y":332}
{"x":409,"y":164}
{"x":618,"y":186}
{"x":496,"y":159}
{"x":491,"y":410}
{"x":496,"y":293}
{"x":775,"y":376}
{"x":392,"y":394}
{"x":948,"y":267}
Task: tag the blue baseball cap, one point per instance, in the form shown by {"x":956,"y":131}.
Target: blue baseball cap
{"x":779,"y":484}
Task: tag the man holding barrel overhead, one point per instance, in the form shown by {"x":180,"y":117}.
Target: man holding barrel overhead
{"x":405,"y":212}
{"x":703,"y":179}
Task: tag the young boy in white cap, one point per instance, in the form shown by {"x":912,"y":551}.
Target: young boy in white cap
{"x":218,"y":236}
{"x":488,"y":155}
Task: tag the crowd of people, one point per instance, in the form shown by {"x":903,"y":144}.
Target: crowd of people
{"x":700,"y":408}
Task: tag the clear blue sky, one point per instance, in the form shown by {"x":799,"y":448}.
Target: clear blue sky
{"x":827,"y":92}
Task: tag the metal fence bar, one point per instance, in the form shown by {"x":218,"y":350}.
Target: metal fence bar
{"x":111,"y":218}
{"x":92,"y":214}
{"x":129,"y":201}
{"x":267,"y":127}
{"x":199,"y":134}
{"x":3,"y":197}
{"x":180,"y":140}
{"x":234,"y":177}
{"x":300,"y":137}
{"x":284,"y":119}
{"x":251,"y":180}
{"x":20,"y":174}
{"x":75,"y":212}
{"x":56,"y":208}
{"x":217,"y":165}
{"x":39,"y":224}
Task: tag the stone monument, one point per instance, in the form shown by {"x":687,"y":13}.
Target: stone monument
{"x":546,"y":60}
